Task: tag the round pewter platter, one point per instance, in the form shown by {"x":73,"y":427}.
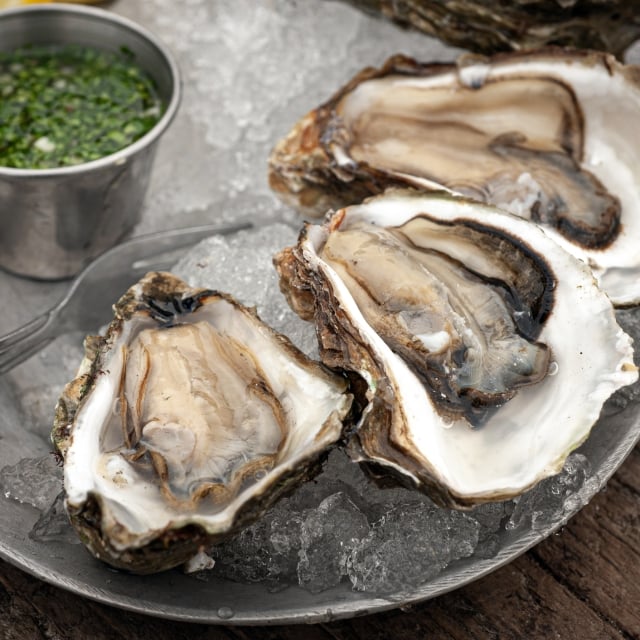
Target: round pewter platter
{"x":178,"y":596}
{"x":211,"y":167}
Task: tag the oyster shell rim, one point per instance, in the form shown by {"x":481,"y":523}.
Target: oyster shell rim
{"x":172,"y":546}
{"x":310,"y":168}
{"x":297,"y":285}
{"x":472,"y":25}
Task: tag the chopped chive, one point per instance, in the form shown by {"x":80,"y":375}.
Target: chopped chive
{"x":67,"y":105}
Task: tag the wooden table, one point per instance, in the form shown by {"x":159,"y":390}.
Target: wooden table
{"x":583,"y":582}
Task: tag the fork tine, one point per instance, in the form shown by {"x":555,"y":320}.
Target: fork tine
{"x":17,"y":346}
{"x":14,"y":356}
{"x":25,"y":341}
{"x":23,"y":332}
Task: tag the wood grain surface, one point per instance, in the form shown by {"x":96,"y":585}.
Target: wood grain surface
{"x":583,"y":583}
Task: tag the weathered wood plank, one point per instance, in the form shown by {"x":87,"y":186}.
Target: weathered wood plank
{"x":629,"y":473}
{"x":413,"y":622}
{"x":293,"y":632}
{"x":598,"y":552}
{"x":521,"y":600}
{"x":32,"y":610}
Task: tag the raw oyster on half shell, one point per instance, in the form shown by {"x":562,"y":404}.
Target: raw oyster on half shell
{"x":485,"y":351}
{"x":550,"y":136}
{"x":187,"y":420}
{"x":488,"y":26}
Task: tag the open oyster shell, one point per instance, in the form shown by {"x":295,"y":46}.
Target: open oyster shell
{"x":548,"y":135}
{"x":187,"y":420}
{"x":485,"y":350}
{"x":487,"y":26}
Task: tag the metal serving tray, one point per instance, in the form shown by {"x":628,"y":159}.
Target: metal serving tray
{"x":206,"y":172}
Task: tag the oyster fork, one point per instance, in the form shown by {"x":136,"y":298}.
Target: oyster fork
{"x":87,"y":303}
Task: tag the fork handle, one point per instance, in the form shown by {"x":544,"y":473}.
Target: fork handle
{"x":23,"y":342}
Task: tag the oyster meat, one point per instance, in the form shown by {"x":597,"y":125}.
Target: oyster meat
{"x":547,"y":135}
{"x":487,"y":26}
{"x":485,"y":351}
{"x":187,"y":420}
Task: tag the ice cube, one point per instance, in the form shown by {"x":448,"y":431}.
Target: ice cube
{"x":329,"y":534}
{"x":267,"y":551}
{"x":409,"y":545}
{"x":552,"y":499}
{"x":34,"y":481}
{"x":53,"y":525}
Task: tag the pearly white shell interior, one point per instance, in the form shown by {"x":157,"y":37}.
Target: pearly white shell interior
{"x":609,"y":98}
{"x":133,"y":508}
{"x":530,"y":437}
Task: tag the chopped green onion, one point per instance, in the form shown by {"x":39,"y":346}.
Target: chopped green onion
{"x":61,"y":106}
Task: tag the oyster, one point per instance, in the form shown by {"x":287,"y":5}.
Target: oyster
{"x":187,"y":420}
{"x":485,"y":350}
{"x":486,"y":26}
{"x":546,"y":135}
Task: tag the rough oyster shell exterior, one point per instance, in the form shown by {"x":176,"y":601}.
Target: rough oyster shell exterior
{"x":127,"y":496}
{"x":404,"y":432}
{"x":325,"y":162}
{"x":487,"y":27}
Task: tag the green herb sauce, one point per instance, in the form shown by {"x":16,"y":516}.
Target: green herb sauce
{"x":61,"y":106}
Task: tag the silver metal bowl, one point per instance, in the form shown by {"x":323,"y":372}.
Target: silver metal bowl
{"x":53,"y":221}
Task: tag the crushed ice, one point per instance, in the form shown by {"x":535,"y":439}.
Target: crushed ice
{"x":291,"y":55}
{"x":38,"y":483}
{"x":33,"y":481}
{"x":339,"y":527}
{"x":240,"y":264}
{"x":330,"y":530}
{"x":552,"y":499}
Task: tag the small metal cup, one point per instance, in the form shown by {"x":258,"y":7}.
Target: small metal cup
{"x":53,"y":221}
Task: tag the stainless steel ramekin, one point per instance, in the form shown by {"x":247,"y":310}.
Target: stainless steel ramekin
{"x":53,"y":221}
